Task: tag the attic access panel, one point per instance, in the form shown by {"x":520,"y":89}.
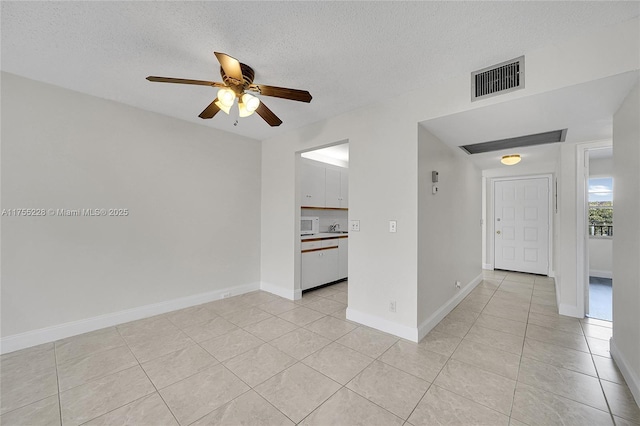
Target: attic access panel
{"x":517,"y":142}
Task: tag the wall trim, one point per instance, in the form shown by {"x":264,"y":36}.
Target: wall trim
{"x":428,"y":324}
{"x":374,"y":321}
{"x":570,"y":310}
{"x":600,"y":274}
{"x":487,"y":266}
{"x":632,"y":380}
{"x":60,"y":331}
{"x":294,"y":294}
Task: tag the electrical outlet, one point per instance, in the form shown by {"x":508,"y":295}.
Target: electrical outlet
{"x":225,"y":295}
{"x":393,"y":226}
{"x":354,"y":225}
{"x":458,"y":285}
{"x":392,"y":306}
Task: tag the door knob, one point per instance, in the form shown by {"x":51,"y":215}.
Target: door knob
{"x":497,"y":232}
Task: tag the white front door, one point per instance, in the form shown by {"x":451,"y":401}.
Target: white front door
{"x":521,"y":225}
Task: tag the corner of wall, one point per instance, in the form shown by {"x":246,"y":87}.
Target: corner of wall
{"x":633,"y":381}
{"x":428,"y":324}
{"x":291,"y":294}
{"x":373,"y":321}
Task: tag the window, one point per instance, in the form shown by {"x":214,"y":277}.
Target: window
{"x":601,"y":207}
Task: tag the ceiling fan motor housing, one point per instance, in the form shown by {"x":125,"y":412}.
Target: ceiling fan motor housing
{"x":247,"y":76}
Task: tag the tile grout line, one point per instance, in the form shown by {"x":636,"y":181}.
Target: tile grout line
{"x":606,"y":399}
{"x":450,"y":357}
{"x":148,"y":378}
{"x":55,"y":358}
{"x":524,"y":339}
{"x":578,"y":372}
{"x":97,"y":378}
{"x":251,"y":388}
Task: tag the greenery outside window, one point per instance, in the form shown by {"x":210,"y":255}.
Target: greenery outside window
{"x":601,"y":207}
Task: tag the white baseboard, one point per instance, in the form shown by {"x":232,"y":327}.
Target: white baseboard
{"x":487,"y":266}
{"x":630,"y":376}
{"x":411,"y":333}
{"x":291,"y":294}
{"x":570,"y":311}
{"x":428,"y":324}
{"x":373,"y":321}
{"x":50,"y":334}
{"x":600,"y":274}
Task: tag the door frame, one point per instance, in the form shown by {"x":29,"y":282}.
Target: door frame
{"x":492,"y":217}
{"x":582,"y":212}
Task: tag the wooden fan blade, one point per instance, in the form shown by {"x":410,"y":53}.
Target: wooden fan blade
{"x":184,"y":81}
{"x":282,"y":92}
{"x":230,"y":65}
{"x":210,"y":111}
{"x":268,"y":115}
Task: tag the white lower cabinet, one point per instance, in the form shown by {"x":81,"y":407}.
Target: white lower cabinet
{"x":319,"y":267}
{"x":343,"y":258}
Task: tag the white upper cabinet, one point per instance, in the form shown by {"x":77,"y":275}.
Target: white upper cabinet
{"x":344,"y":188}
{"x":324,"y":186}
{"x":312,"y":185}
{"x":332,"y":188}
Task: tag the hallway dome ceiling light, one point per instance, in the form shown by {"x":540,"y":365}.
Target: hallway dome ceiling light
{"x":510,"y":160}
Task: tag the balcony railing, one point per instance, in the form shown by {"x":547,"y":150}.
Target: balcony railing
{"x":601,"y":230}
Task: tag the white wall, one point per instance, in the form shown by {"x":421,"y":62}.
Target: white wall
{"x":383,"y":174}
{"x":625,"y":344}
{"x":567,"y":285}
{"x":449,"y":230}
{"x":600,"y":257}
{"x":600,"y":167}
{"x":382,"y":187}
{"x":193,"y":195}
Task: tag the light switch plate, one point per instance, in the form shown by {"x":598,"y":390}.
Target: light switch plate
{"x":393,"y":226}
{"x":354,"y":225}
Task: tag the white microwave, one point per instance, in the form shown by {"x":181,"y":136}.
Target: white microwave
{"x":309,"y":225}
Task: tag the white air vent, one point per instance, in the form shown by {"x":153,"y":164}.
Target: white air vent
{"x":498,"y":79}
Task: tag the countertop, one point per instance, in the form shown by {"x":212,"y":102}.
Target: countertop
{"x":324,"y":236}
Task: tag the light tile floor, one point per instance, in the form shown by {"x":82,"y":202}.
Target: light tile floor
{"x":503,"y":356}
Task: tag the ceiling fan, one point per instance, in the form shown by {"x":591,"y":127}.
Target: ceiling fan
{"x":237,"y":80}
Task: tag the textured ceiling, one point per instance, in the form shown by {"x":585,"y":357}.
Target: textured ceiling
{"x":347,"y":54}
{"x":586,"y":110}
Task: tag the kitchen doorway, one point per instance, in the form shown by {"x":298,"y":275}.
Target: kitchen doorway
{"x":322,"y":260}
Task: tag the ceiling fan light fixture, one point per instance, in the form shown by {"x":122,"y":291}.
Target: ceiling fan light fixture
{"x":226,"y":96}
{"x":242,"y":108}
{"x":223,"y":107}
{"x":251,"y":102}
{"x":510,"y":160}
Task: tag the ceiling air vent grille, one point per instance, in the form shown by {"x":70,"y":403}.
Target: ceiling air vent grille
{"x":498,"y":79}
{"x":517,"y":142}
